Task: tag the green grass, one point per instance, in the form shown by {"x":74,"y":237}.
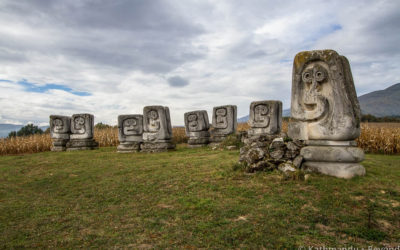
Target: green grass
{"x":190,"y":198}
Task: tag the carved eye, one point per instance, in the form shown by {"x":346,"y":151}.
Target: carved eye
{"x":320,"y":76}
{"x":80,"y":121}
{"x":307,"y":77}
{"x":153,"y":114}
{"x":192,"y":118}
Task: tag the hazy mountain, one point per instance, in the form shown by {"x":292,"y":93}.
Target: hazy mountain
{"x":382,"y":102}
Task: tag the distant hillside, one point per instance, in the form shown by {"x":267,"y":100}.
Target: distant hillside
{"x":382,"y":102}
{"x":5,"y":129}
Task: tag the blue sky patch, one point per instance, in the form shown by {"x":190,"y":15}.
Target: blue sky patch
{"x":30,"y":87}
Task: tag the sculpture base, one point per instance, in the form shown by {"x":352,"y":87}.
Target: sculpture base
{"x":335,"y":158}
{"x":82,"y":144}
{"x":198,"y":142}
{"x":336,"y":169}
{"x":128,"y":147}
{"x":59,"y":145}
{"x":155,"y":147}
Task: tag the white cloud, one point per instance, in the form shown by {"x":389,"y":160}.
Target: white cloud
{"x":230,"y":52}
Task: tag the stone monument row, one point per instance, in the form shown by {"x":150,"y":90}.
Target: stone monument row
{"x":75,"y":133}
{"x":326,"y":113}
{"x":321,"y":133}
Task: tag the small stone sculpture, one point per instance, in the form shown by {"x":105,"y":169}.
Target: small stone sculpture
{"x":224,"y":122}
{"x":81,"y":138}
{"x":130,"y":131}
{"x":265,"y":118}
{"x":326,"y":113}
{"x":157,"y":135}
{"x":264,"y":146}
{"x":196,"y":127}
{"x":60,"y":130}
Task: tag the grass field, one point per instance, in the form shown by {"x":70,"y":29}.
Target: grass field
{"x":190,"y":198}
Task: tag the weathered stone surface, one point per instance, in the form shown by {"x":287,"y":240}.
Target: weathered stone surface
{"x":60,"y":130}
{"x":277,"y":149}
{"x":60,"y":127}
{"x":128,"y":147}
{"x":337,"y":169}
{"x":324,"y":100}
{"x":81,"y":144}
{"x":130,"y":131}
{"x":157,"y":135}
{"x":224,"y":122}
{"x":82,"y":126}
{"x":325,"y":112}
{"x":297,"y":161}
{"x":130,"y":128}
{"x":196,"y":127}
{"x":330,"y":143}
{"x":332,"y":154}
{"x":154,"y":147}
{"x":157,"y":123}
{"x":265,"y":118}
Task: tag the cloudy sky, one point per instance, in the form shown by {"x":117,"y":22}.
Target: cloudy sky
{"x":115,"y":57}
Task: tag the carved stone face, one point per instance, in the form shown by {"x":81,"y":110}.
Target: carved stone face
{"x":316,"y":89}
{"x":261,"y":118}
{"x":130,"y":126}
{"x":79,"y":125}
{"x":192,"y":119}
{"x":221,"y":119}
{"x":324,"y":101}
{"x":58,"y":125}
{"x":154,"y":121}
{"x":196,"y":121}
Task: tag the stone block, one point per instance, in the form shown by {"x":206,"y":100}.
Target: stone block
{"x":265,"y":118}
{"x":157,"y":123}
{"x":196,"y":127}
{"x":326,"y":113}
{"x":224,"y":121}
{"x":337,"y":169}
{"x":82,"y":126}
{"x":130,"y":128}
{"x":60,"y":127}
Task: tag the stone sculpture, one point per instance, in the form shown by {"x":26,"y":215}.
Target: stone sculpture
{"x":326,"y":113}
{"x":60,"y":130}
{"x":130,"y":131}
{"x":264,"y":147}
{"x":224,"y":122}
{"x":265,"y":118}
{"x":196,"y":127}
{"x":82,"y":126}
{"x":157,"y":135}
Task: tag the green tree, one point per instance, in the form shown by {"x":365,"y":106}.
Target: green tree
{"x":29,"y":129}
{"x":12,"y":134}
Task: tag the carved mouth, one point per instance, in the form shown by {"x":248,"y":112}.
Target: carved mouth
{"x":310,"y":106}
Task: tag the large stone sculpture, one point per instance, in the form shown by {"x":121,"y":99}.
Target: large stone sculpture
{"x":265,"y":118}
{"x":60,"y":130}
{"x":196,"y":127}
{"x":157,"y":135}
{"x":224,"y":122}
{"x":130,"y":131}
{"x":326,"y":113}
{"x":82,"y":126}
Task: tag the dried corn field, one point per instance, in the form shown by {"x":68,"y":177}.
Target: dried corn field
{"x":375,"y":138}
